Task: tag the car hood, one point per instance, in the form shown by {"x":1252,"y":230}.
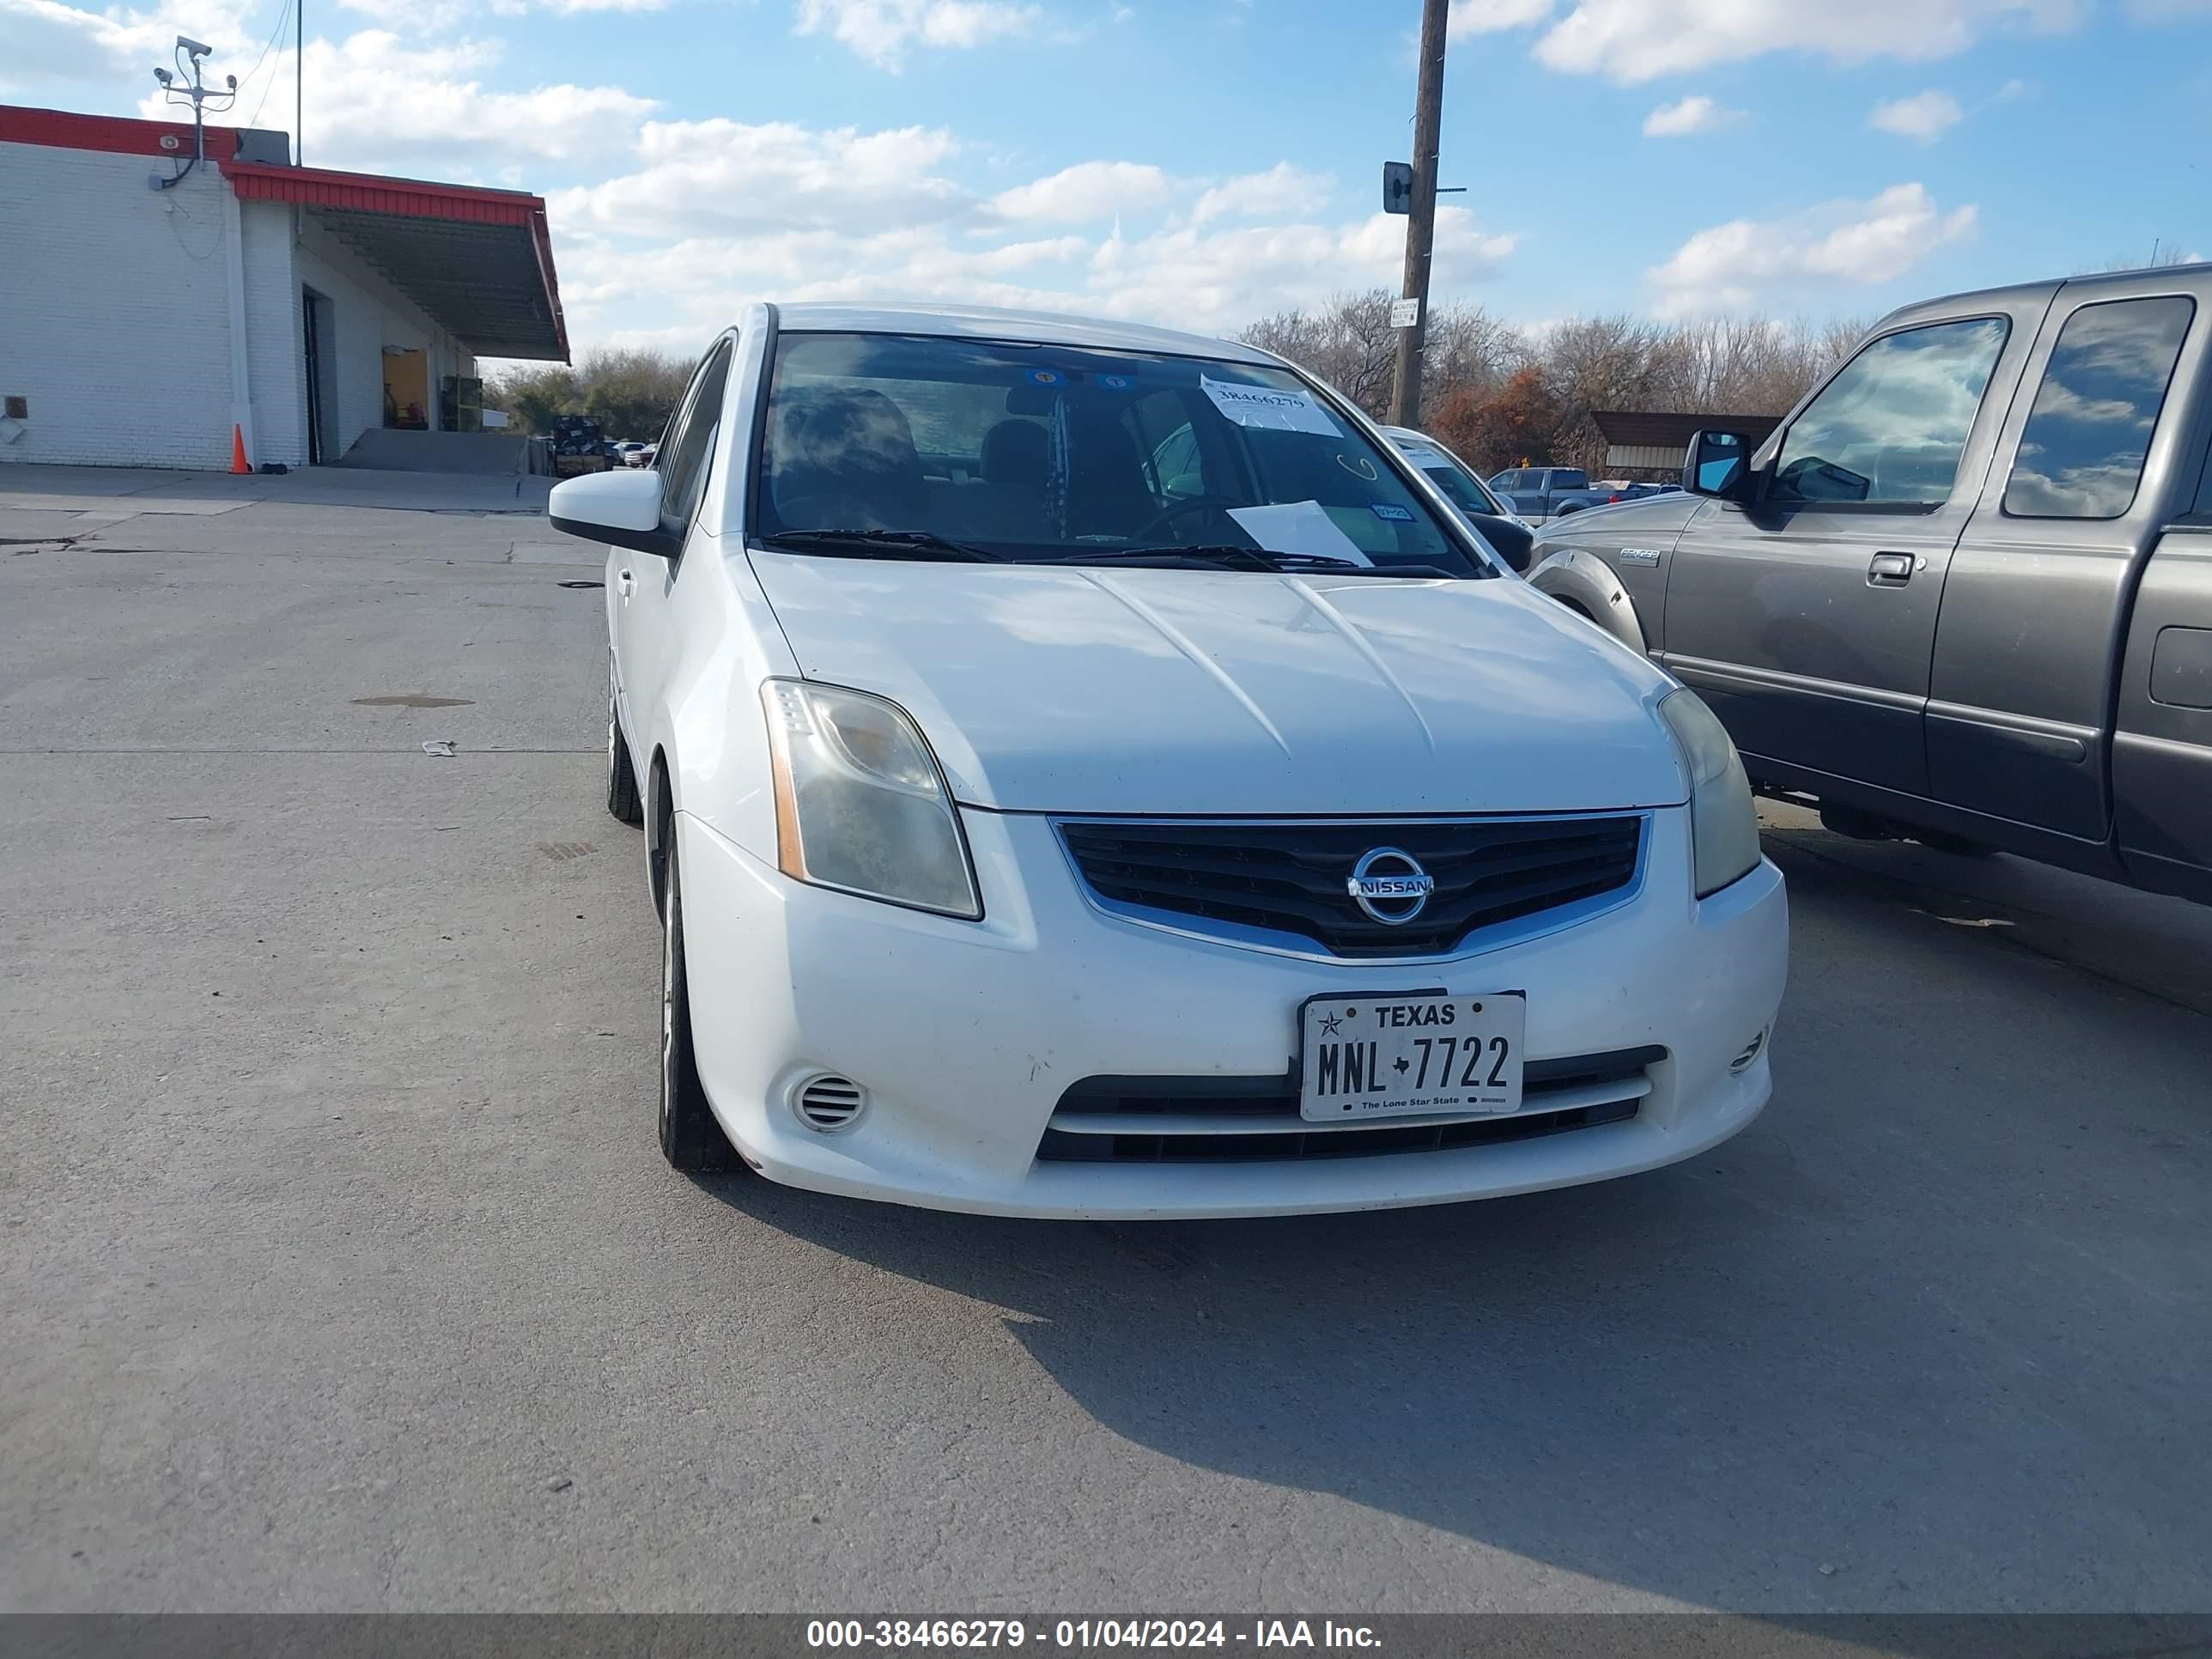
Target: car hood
{"x":1067,"y":689}
{"x":1667,"y":513}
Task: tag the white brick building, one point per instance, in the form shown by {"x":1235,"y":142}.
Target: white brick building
{"x":139,"y":326}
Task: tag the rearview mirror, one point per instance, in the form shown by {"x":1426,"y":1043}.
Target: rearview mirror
{"x":621,"y":505}
{"x":1717,"y":464}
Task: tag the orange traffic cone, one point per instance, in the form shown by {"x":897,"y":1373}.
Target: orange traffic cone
{"x":237,"y":450}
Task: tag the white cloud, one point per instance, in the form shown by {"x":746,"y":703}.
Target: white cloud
{"x":716,"y":214}
{"x":48,"y":41}
{"x":1729,"y":267}
{"x":1087,"y":191}
{"x":1091,"y":193}
{"x":1282,"y":189}
{"x":704,"y":177}
{"x":434,"y":17}
{"x":1487,"y":16}
{"x":1924,"y":117}
{"x":1696,"y":114}
{"x":882,"y":30}
{"x":1635,"y":41}
{"x":381,"y":105}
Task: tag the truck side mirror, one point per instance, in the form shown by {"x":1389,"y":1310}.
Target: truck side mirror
{"x":1717,"y":464}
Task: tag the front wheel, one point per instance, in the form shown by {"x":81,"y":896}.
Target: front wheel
{"x":691,"y":1139}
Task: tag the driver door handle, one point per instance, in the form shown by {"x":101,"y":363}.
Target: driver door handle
{"x":625,"y":581}
{"x":1889,"y":570}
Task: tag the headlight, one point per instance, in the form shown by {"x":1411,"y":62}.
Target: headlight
{"x":1723,"y":825}
{"x":860,"y":803}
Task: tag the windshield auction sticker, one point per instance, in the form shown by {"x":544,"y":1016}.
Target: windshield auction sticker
{"x":1267,"y":406}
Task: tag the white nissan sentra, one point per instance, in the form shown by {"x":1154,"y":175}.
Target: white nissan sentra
{"x":1088,"y":771}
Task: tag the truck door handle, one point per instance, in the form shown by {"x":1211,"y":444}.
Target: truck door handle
{"x":1889,"y":570}
{"x":625,"y":581}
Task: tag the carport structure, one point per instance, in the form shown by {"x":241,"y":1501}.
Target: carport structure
{"x":1651,"y":441}
{"x":478,"y":261}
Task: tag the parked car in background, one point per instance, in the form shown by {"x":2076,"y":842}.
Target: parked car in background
{"x":631,"y":451}
{"x":1493,"y":520}
{"x":1541,"y":494}
{"x":1085,"y":774}
{"x":1964,"y":594}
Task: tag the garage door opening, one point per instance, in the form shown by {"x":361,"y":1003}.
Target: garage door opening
{"x":322,"y":375}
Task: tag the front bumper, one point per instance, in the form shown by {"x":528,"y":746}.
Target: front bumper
{"x":965,"y":1035}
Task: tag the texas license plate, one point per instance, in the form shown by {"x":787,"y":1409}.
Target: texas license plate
{"x":1412,"y":1054}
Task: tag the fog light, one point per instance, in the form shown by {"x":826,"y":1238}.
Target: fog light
{"x":1751,"y":1052}
{"x":826,"y":1103}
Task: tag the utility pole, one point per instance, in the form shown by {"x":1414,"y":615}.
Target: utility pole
{"x":1421,"y":220}
{"x":298,"y":82}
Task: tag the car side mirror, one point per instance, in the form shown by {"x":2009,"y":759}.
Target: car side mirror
{"x":1717,"y":464}
{"x":620,"y":506}
{"x":1511,"y":542}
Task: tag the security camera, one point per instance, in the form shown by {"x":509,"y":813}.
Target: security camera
{"x":232,"y":79}
{"x":193,"y":48}
{"x":164,"y":77}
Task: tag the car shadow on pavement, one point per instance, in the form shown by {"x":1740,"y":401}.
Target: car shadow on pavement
{"x":1921,"y":1338}
{"x":1657,"y":1382}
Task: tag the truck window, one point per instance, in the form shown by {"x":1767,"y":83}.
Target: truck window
{"x":1568,"y":477}
{"x":2081,"y":452}
{"x":1889,"y":427}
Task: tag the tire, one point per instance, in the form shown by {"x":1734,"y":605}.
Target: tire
{"x":623,"y":799}
{"x":691,"y":1139}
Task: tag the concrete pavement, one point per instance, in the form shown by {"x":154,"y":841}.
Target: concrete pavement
{"x":341,"y":1271}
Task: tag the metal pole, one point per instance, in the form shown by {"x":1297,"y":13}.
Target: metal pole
{"x":1421,"y":220}
{"x":298,"y":82}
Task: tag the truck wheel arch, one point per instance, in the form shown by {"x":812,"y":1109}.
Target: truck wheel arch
{"x":1587,"y":586}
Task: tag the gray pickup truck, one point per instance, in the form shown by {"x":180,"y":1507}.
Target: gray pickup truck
{"x":1538,"y":495}
{"x":1963,"y":595}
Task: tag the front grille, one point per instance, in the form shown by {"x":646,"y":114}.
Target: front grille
{"x":1240,"y":1120}
{"x":1289,"y":878}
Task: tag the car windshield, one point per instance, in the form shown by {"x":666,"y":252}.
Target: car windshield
{"x":922,"y":446}
{"x":1457,"y":484}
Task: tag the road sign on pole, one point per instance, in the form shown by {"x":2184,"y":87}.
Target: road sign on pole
{"x":1397,"y":187}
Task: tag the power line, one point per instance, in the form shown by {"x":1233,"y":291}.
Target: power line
{"x":283,"y":18}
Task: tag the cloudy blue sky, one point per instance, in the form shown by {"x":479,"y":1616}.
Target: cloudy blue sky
{"x":1201,"y":162}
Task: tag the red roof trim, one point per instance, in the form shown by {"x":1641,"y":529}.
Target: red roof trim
{"x":369,"y":192}
{"x":545,"y":240}
{"x":118,"y":135}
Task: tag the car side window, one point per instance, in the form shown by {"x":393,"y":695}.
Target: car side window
{"x":1890,"y":427}
{"x":1165,"y":436}
{"x":2081,"y":452}
{"x":690,"y":441}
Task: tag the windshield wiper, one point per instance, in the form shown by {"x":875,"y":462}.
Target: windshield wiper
{"x":881,"y":544}
{"x":1220,"y":556}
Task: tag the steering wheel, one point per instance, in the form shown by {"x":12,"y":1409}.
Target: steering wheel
{"x":1153,"y":526}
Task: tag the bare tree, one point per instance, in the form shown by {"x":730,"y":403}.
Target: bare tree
{"x":1348,"y":343}
{"x":630,"y":392}
{"x":1503,"y":395}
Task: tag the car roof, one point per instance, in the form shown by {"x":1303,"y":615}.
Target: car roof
{"x":2195,"y":277}
{"x":990,"y":323}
